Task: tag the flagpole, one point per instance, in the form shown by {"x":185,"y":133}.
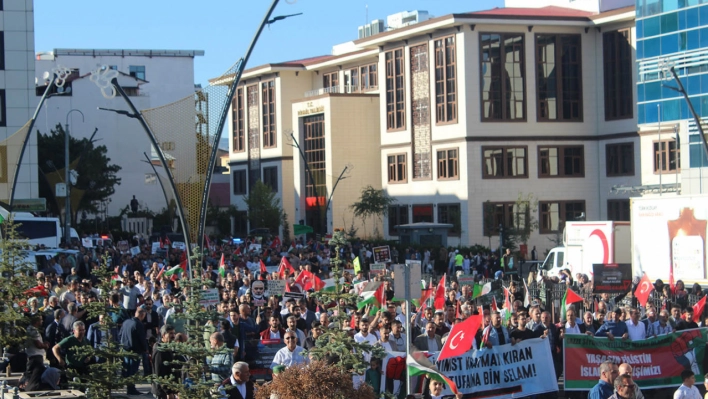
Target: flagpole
{"x":407,"y":294}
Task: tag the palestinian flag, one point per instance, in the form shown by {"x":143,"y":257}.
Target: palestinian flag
{"x":480,"y":290}
{"x":176,"y":270}
{"x":507,"y":306}
{"x":373,"y":294}
{"x":326,"y":285}
{"x":419,"y":364}
{"x":569,"y":298}
{"x":222,"y":267}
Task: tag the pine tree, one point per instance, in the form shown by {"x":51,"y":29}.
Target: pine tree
{"x":15,"y":287}
{"x":196,"y":382}
{"x":105,"y":374}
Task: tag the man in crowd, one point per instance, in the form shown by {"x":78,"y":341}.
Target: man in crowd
{"x":661,"y":326}
{"x":67,"y":351}
{"x":636,"y":330}
{"x":222,"y":361}
{"x":496,"y":333}
{"x":605,"y":387}
{"x":429,"y":341}
{"x":626,"y":369}
{"x":613,"y":328}
{"x":687,"y":390}
{"x":291,"y":354}
{"x":274,"y":331}
{"x":243,"y":388}
{"x":132,"y":339}
{"x":624,"y":387}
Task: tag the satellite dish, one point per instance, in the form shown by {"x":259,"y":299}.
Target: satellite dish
{"x":45,"y":76}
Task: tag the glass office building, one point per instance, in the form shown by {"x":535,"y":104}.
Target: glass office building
{"x":673,"y":33}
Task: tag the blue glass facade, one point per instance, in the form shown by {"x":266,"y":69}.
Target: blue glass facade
{"x":674,"y":31}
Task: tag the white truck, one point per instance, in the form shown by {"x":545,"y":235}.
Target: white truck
{"x":587,"y":243}
{"x":669,"y":235}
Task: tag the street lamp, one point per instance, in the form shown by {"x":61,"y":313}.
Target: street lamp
{"x":69,"y":178}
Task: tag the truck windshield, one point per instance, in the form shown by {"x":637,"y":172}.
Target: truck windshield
{"x":560,"y":262}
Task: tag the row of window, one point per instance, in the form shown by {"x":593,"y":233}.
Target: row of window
{"x":241,"y":105}
{"x":240,"y":180}
{"x":357,"y":79}
{"x":553,"y":161}
{"x":558,"y":60}
{"x":552,"y":215}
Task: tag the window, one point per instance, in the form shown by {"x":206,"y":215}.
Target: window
{"x":368,"y":77}
{"x":113,"y":67}
{"x":617,"y":62}
{"x":315,"y":156}
{"x":505,"y":214}
{"x":395,"y":91}
{"x":2,"y":48}
{"x":502,"y":162}
{"x":618,"y":210}
{"x":239,"y":131}
{"x":397,"y":215}
{"x":270,"y":178}
{"x":3,"y":109}
{"x":447,"y":164}
{"x":423,"y":213}
{"x":667,"y":158}
{"x":553,"y":215}
{"x":558,"y":82}
{"x":268,"y":112}
{"x":354,"y":80}
{"x":503,"y":77}
{"x":619,"y":159}
{"x":240,"y":182}
{"x":397,"y":168}
{"x":330,"y":80}
{"x":241,"y":224}
{"x":445,"y":80}
{"x":137,"y":71}
{"x":450,"y":213}
{"x":562,"y":161}
{"x":696,"y":151}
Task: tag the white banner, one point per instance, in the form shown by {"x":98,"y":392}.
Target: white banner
{"x":506,"y":371}
{"x":87,"y":242}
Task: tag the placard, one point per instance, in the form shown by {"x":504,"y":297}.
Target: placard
{"x":376,"y":269}
{"x":466,"y":279}
{"x":155,"y":247}
{"x":382,"y":254}
{"x":179,"y":245}
{"x":399,"y":282}
{"x":134,"y":251}
{"x":292,"y":295}
{"x":87,"y":242}
{"x":123,"y":246}
{"x":210,"y":297}
{"x":612,"y":278}
{"x":276,"y":287}
{"x":254,"y":247}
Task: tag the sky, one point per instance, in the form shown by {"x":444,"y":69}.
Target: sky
{"x":223,"y":29}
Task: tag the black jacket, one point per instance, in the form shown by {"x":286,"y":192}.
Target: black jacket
{"x":132,"y":336}
{"x":233,"y":393}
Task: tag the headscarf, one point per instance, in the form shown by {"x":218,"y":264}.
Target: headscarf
{"x":50,"y":376}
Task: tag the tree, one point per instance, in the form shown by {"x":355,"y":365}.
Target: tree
{"x":15,"y":282}
{"x":372,"y":202}
{"x":105,"y":376}
{"x":221,"y":218}
{"x":264,"y":210}
{"x":336,"y":354}
{"x":197,"y":321}
{"x":97,"y":176}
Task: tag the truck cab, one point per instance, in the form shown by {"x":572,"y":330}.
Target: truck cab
{"x":554,"y":263}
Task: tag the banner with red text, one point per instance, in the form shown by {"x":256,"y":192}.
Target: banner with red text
{"x":506,"y":371}
{"x":656,"y":362}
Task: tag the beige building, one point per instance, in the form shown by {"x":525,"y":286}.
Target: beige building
{"x":462,"y":114}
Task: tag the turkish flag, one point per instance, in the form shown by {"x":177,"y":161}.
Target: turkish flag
{"x":698,"y":308}
{"x":304,"y":279}
{"x":263,"y":267}
{"x":285,"y":269}
{"x":317,"y":284}
{"x":644,"y":288}
{"x":440,"y":294}
{"x":461,"y":337}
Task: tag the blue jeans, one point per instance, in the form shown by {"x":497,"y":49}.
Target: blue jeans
{"x":130,"y":368}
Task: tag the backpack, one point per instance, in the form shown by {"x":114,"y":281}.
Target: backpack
{"x":395,"y":368}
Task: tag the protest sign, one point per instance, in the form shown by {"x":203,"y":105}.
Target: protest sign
{"x":179,"y":245}
{"x":155,"y":247}
{"x":266,"y":353}
{"x":376,"y":269}
{"x":123,"y":246}
{"x":254,"y":248}
{"x":134,"y":251}
{"x":292,"y":295}
{"x":613,"y":278}
{"x":382,"y":254}
{"x":466,"y":279}
{"x":276,"y":287}
{"x":508,"y":371}
{"x":210,"y":297}
{"x":656,"y":362}
{"x":87,"y":242}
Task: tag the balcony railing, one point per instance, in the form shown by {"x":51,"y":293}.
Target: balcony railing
{"x":339,"y":89}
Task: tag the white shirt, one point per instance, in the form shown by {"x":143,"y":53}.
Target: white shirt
{"x":370,"y":338}
{"x":432,"y":345}
{"x":684,"y":392}
{"x":286,"y":358}
{"x":572,"y":330}
{"x":636,"y":332}
{"x":274,"y":335}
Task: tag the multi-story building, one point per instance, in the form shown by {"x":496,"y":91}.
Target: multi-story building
{"x":671,"y":34}
{"x":17,"y":97}
{"x":464,"y":114}
{"x":152,"y":78}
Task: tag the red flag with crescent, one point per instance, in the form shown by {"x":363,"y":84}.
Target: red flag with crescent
{"x":461,"y":337}
{"x":644,"y":288}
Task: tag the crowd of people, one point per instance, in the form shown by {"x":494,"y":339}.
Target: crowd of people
{"x":145,"y":302}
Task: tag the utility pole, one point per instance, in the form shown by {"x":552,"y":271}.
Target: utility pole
{"x":67,"y":179}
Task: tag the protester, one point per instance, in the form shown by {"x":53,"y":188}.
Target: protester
{"x":291,"y":354}
{"x":626,"y":369}
{"x":687,"y":390}
{"x":243,"y":388}
{"x":605,"y":387}
{"x":624,"y":387}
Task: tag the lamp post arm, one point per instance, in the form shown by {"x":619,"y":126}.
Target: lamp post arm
{"x":696,"y":117}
